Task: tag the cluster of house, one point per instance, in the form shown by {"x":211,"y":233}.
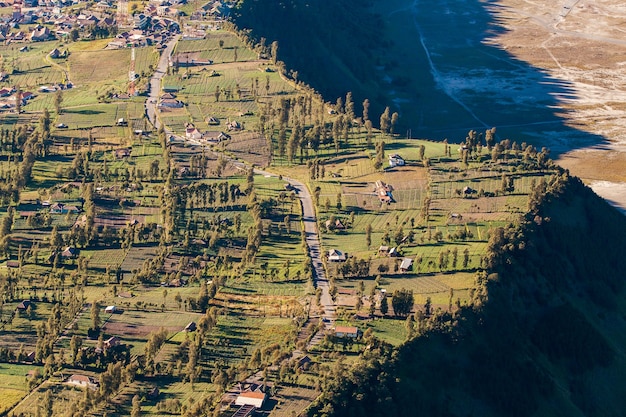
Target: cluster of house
{"x":213,"y":10}
{"x":169,"y":101}
{"x":211,"y":136}
{"x":53,"y":208}
{"x":248,"y":397}
{"x":153,"y":26}
{"x":58,"y":86}
{"x":336,"y":225}
{"x":36,"y":34}
{"x":49,"y":20}
{"x":149,"y":31}
{"x":384,"y":192}
{"x":407,"y":263}
{"x":9,"y":97}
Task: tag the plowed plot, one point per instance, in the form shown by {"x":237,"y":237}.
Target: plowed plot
{"x":258,"y":305}
{"x":139,"y":324}
{"x":117,"y":221}
{"x":136,"y":256}
{"x":293,"y":400}
{"x":251,"y":147}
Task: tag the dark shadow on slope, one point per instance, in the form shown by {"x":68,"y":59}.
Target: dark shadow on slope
{"x":432,"y":61}
{"x":472,"y":83}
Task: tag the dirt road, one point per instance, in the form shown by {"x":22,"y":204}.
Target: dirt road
{"x":155,"y":82}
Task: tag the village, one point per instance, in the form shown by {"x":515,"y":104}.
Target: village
{"x":32,"y":21}
{"x":186,"y":229}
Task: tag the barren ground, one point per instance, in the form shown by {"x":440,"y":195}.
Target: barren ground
{"x":584,"y":44}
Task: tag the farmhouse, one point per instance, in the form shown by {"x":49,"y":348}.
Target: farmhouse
{"x":170,"y":103}
{"x":335,"y":255}
{"x":69,"y":252}
{"x":191,"y":327}
{"x":213,"y":121}
{"x":406,"y":265}
{"x":215,"y":136}
{"x":383,"y":191}
{"x":396,"y":160}
{"x":255,"y":398}
{"x":337,"y":225}
{"x":468,"y":191}
{"x":153,"y":394}
{"x":349,"y":332}
{"x":234,"y":125}
{"x":71,"y":209}
{"x":57,"y":208}
{"x":112,"y":342}
{"x":40,"y":33}
{"x":193,"y":133}
{"x":23,"y":306}
{"x":122,"y":153}
{"x":303,"y":362}
{"x":110,"y":309}
{"x":27,"y":95}
{"x":60,"y":208}
{"x":82,"y":381}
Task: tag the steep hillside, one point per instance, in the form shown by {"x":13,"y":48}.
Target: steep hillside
{"x":545,"y":336}
{"x":334,"y":46}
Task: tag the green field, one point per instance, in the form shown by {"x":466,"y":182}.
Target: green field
{"x":13,"y":384}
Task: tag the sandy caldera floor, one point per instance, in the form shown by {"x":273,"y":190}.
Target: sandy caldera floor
{"x":582,"y":42}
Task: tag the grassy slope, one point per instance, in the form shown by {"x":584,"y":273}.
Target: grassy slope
{"x":549,"y":340}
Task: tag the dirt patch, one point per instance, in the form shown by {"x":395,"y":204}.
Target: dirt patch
{"x":132,"y":330}
{"x":251,"y":147}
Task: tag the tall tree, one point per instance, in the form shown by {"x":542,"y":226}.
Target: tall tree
{"x":366,"y":110}
{"x":394,"y":122}
{"x":274,"y":51}
{"x":384,"y":305}
{"x":349,"y":108}
{"x":385,"y":120}
{"x":95,"y":316}
{"x":136,"y":410}
{"x":46,"y":404}
{"x":18,"y":100}
{"x":58,"y":101}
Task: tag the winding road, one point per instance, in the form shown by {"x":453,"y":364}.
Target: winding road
{"x":312,"y":239}
{"x":308,"y":210}
{"x":313,"y":243}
